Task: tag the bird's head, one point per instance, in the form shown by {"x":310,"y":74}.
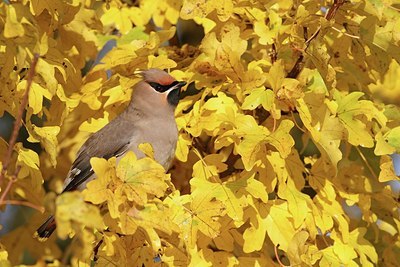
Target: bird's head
{"x":164,"y":87}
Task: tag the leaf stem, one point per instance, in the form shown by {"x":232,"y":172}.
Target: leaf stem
{"x":277,"y":257}
{"x":366,"y":163}
{"x":10,"y":183}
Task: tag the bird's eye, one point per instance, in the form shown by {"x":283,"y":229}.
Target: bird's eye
{"x":158,"y":87}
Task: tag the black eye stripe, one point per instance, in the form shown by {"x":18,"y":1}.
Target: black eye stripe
{"x":162,"y":88}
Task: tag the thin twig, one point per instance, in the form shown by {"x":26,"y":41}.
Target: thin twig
{"x":345,"y":33}
{"x":328,"y":16}
{"x":18,"y":119}
{"x":10,"y":183}
{"x":273,"y":54}
{"x":277,"y":257}
{"x":366,"y":163}
{"x":274,"y":125}
{"x":295,"y":122}
{"x":96,"y":250}
{"x":298,"y":66}
{"x":22,"y":203}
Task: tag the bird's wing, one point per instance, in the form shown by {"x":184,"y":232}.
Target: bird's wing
{"x":108,"y":142}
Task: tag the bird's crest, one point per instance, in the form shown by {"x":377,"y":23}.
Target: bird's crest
{"x":157,"y":76}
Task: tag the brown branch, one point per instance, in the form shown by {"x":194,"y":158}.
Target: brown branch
{"x":273,"y":54}
{"x":335,"y":7}
{"x":328,"y":16}
{"x":22,"y":203}
{"x":9,"y":185}
{"x":17,"y":126}
{"x":96,"y":250}
{"x":298,"y":66}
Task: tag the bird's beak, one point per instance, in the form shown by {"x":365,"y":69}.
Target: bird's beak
{"x":177,"y":85}
{"x":173,"y":94}
{"x":181,"y":84}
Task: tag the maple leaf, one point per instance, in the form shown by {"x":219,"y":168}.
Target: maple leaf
{"x":73,"y":211}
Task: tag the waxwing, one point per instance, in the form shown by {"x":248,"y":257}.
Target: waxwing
{"x":149,"y":118}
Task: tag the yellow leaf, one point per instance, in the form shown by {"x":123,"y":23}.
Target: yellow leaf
{"x":348,"y":108}
{"x":345,"y":252}
{"x":12,"y":27}
{"x":28,"y":157}
{"x":311,"y":256}
{"x":298,"y":247}
{"x":94,"y":125}
{"x":73,"y":212}
{"x":147,"y":149}
{"x":117,"y":94}
{"x":224,"y":9}
{"x":153,"y":217}
{"x":273,"y":219}
{"x":225,"y":55}
{"x":161,"y":62}
{"x":36,"y":95}
{"x":207,"y":24}
{"x":281,"y":138}
{"x":363,"y":247}
{"x":330,"y":258}
{"x":393,"y":138}
{"x":120,"y":17}
{"x":253,"y":78}
{"x":387,"y":170}
{"x":197,"y":258}
{"x":252,"y":143}
{"x":259,"y":96}
{"x":296,"y":201}
{"x":140,"y":177}
{"x":4,"y":257}
{"x":388,"y":88}
{"x":227,"y":194}
{"x":382,"y":147}
{"x":48,"y":138}
{"x":182,"y":147}
{"x":276,"y":75}
{"x":195,"y":8}
{"x":268,"y":33}
{"x":195,"y":214}
{"x":326,"y":131}
{"x":47,"y":72}
{"x":91,"y":91}
{"x":70,"y":102}
{"x":100,"y":189}
{"x":225,"y":240}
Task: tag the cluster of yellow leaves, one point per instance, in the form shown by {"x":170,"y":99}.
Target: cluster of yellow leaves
{"x":264,"y":159}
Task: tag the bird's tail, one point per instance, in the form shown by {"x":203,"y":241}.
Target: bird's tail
{"x":46,"y":229}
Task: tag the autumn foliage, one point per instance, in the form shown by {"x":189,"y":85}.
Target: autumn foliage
{"x":286,"y":132}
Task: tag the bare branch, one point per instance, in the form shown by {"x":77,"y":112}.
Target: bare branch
{"x":298,"y":66}
{"x":17,"y":126}
{"x":22,"y":203}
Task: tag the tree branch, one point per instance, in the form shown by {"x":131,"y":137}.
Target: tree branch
{"x":298,"y":66}
{"x":17,"y":126}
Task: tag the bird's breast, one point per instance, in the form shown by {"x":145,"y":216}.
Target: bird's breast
{"x":162,"y":134}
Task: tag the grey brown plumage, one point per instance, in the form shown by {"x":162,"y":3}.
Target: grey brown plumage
{"x":149,"y":118}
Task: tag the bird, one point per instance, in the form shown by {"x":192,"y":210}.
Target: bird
{"x":149,"y":118}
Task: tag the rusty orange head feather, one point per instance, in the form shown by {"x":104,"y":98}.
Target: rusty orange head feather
{"x":157,"y":76}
